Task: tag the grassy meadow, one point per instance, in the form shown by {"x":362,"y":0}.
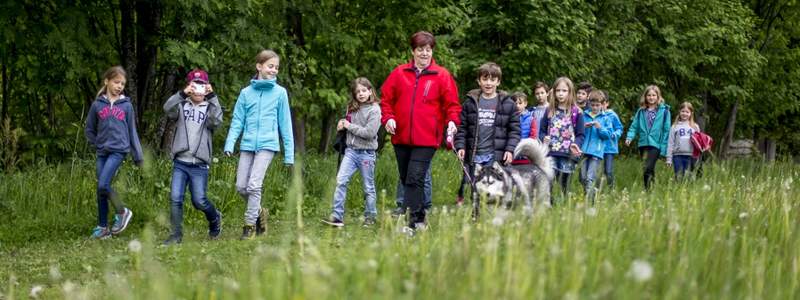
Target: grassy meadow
{"x":732,"y":234}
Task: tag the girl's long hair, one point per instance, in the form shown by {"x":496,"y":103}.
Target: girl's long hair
{"x":643,"y":99}
{"x":354,"y":105}
{"x":111,"y":73}
{"x":691,"y":117}
{"x":570,"y":101}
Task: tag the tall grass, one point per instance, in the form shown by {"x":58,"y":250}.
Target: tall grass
{"x":731,"y":234}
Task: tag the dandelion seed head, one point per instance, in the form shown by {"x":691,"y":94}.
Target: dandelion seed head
{"x":215,"y":160}
{"x":36,"y":290}
{"x":706,"y":187}
{"x":640,"y":271}
{"x":674,"y":227}
{"x":135,"y":246}
{"x":743,"y":215}
{"x":591,"y":211}
{"x":55,"y":273}
{"x":231,"y":284}
{"x":68,"y":287}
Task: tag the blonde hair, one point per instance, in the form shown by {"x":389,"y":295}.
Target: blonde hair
{"x":643,"y":99}
{"x":266,"y":55}
{"x":111,"y":73}
{"x":690,"y":107}
{"x":570,"y":101}
{"x":354,"y":105}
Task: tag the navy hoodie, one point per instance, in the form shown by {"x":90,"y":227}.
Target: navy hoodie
{"x":112,"y":127}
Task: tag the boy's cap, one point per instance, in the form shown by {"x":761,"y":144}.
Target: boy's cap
{"x":197,"y":75}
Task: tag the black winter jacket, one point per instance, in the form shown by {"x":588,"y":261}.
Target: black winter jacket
{"x":506,"y":126}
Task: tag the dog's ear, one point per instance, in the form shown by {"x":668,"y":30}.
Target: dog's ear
{"x":478,"y":168}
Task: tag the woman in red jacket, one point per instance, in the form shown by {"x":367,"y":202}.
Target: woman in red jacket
{"x":418,"y":99}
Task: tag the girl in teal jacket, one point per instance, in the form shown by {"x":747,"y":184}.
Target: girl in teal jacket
{"x":261,"y":116}
{"x":652,"y":123}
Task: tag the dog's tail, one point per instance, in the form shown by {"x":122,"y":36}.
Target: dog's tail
{"x":536,"y":152}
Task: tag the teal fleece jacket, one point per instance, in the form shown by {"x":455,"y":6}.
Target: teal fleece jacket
{"x":655,"y":136}
{"x":262,"y":118}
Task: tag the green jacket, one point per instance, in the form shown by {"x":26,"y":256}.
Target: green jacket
{"x":655,"y":136}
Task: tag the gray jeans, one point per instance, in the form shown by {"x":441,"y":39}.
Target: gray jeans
{"x":250,"y":178}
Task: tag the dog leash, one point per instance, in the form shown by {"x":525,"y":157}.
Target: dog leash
{"x":461,"y":162}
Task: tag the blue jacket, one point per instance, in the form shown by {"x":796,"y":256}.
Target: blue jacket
{"x":655,"y":136}
{"x":612,"y":144}
{"x":525,"y":119}
{"x":595,"y":138}
{"x":260,"y":115}
{"x":112,"y":127}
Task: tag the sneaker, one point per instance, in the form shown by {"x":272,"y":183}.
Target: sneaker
{"x":215,"y":227}
{"x":400,"y":211}
{"x":261,"y":221}
{"x":333,"y":222}
{"x":460,"y":200}
{"x":100,"y":233}
{"x":420,"y":226}
{"x":369,"y":221}
{"x":248,"y":232}
{"x":173,"y":239}
{"x":121,"y":221}
{"x":407,"y":231}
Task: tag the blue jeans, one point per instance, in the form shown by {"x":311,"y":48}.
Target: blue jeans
{"x":107,"y":166}
{"x":427,"y":190}
{"x":364,"y":161}
{"x":196,"y":176}
{"x":681,"y":163}
{"x":608,"y":168}
{"x":589,"y":174}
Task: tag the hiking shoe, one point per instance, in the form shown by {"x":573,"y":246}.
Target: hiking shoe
{"x":100,"y":233}
{"x":460,"y":200}
{"x":121,"y":221}
{"x":261,"y":221}
{"x":333,"y":222}
{"x":420,"y":226}
{"x":173,"y":239}
{"x":397,"y":212}
{"x":248,"y":232}
{"x":369,"y":221}
{"x":215,"y":227}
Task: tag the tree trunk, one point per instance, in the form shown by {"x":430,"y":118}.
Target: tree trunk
{"x":727,"y":137}
{"x":128,"y":50}
{"x":328,"y":123}
{"x":299,"y":131}
{"x":700,"y":116}
{"x":770,"y":149}
{"x":4,"y":114}
{"x":148,"y":15}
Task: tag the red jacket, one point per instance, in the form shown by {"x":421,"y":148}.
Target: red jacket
{"x":421,"y":106}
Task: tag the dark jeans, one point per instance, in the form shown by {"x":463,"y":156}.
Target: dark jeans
{"x":681,"y":163}
{"x":107,"y":166}
{"x":651,"y":157}
{"x":412,"y":163}
{"x":428,"y":192}
{"x":608,"y":168}
{"x":196,"y":176}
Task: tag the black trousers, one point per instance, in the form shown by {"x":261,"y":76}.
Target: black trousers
{"x":412,"y":163}
{"x":650,"y":158}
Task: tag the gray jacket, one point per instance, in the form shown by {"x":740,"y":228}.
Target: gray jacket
{"x":364,"y":124}
{"x":174,"y":107}
{"x":680,"y":140}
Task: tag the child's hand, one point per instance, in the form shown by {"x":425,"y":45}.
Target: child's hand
{"x":627,"y":142}
{"x":460,"y":154}
{"x":391,"y":126}
{"x":209,"y":89}
{"x":669,"y":163}
{"x":576,"y":151}
{"x":546,"y":140}
{"x":188,"y":90}
{"x":508,"y":157}
{"x":346,"y":124}
{"x":340,"y":125}
{"x":596,"y":125}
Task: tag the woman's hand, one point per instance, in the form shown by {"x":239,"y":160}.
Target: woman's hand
{"x":461,"y":154}
{"x":508,"y":157}
{"x":391,"y":126}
